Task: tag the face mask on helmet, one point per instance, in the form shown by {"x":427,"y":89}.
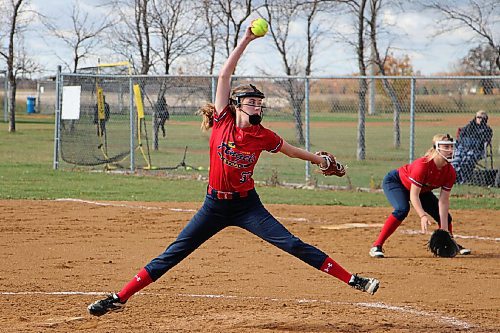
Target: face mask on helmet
{"x":254,"y":119}
{"x":445,"y":152}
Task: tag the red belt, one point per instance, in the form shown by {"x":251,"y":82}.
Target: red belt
{"x":225,"y":195}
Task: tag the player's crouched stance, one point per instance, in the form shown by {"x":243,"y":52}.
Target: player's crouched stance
{"x":236,"y":142}
{"x":413,"y":183}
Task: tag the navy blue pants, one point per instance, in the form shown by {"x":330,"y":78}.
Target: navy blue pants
{"x":399,"y":197}
{"x":247,"y":213}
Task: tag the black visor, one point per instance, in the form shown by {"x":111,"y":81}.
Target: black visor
{"x":255,"y":93}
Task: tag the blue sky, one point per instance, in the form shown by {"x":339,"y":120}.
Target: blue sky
{"x":414,"y":37}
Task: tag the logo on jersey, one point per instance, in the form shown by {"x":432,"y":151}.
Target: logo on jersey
{"x":233,"y":158}
{"x":245,"y":175}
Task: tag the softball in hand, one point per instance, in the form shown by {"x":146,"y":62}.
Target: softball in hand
{"x":259,"y":27}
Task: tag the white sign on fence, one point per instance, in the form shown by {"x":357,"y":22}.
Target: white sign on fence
{"x":71,"y":103}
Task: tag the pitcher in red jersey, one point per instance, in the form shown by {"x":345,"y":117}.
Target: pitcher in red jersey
{"x":414,"y":183}
{"x":236,"y":142}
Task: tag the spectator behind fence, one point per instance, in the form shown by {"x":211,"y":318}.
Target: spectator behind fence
{"x":162,"y":114}
{"x":471,"y":146}
{"x":101,"y":123}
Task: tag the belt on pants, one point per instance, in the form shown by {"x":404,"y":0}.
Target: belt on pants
{"x":221,"y":195}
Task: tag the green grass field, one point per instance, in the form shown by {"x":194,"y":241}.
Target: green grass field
{"x":26,"y":167}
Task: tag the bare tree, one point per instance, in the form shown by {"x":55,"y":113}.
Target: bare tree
{"x":25,"y":65}
{"x":364,"y":16}
{"x":481,"y":60}
{"x":281,"y":15}
{"x":175,"y":24}
{"x":356,"y":12}
{"x":83,"y":36}
{"x":16,"y":15}
{"x":131,"y":35}
{"x":482,"y":17}
{"x":359,"y":8}
{"x":208,"y":13}
{"x":231,"y":15}
{"x":375,"y":7}
{"x":314,"y":32}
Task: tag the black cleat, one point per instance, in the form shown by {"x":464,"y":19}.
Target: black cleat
{"x":463,"y":251}
{"x":370,"y":285}
{"x":377,"y":252}
{"x":111,"y":303}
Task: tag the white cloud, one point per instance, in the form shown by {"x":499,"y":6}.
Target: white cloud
{"x":388,"y":17}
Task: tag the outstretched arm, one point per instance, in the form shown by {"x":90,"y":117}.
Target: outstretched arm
{"x":295,"y":152}
{"x":224,"y":81}
{"x":327,"y":163}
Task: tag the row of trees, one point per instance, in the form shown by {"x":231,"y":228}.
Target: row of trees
{"x":154,"y":35}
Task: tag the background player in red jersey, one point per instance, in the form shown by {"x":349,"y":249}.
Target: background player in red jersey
{"x":236,"y":141}
{"x":414,"y":183}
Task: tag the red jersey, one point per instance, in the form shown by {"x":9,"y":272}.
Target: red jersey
{"x":426,"y":175}
{"x":234,"y":152}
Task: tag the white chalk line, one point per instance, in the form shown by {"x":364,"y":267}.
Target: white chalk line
{"x":97,"y":203}
{"x":296,"y":219}
{"x":182,"y":210}
{"x":448,"y":320}
{"x":351,"y":226}
{"x":406,"y":309}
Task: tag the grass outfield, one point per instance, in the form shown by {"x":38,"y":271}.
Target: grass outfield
{"x":26,"y":172}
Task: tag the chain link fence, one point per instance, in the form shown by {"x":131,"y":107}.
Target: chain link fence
{"x":41,"y":92}
{"x":372,"y":124}
{"x":45,"y":96}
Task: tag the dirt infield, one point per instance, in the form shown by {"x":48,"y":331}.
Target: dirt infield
{"x":58,"y":256}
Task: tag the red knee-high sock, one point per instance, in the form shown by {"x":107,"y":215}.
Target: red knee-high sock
{"x":331,"y":267}
{"x":138,"y":282}
{"x":390,"y":225}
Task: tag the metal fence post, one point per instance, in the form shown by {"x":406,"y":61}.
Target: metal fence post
{"x":57,"y":118}
{"x":132,"y":125}
{"x":307,"y":141}
{"x":412,"y":119}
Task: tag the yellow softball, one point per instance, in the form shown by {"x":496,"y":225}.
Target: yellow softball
{"x":259,"y":27}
